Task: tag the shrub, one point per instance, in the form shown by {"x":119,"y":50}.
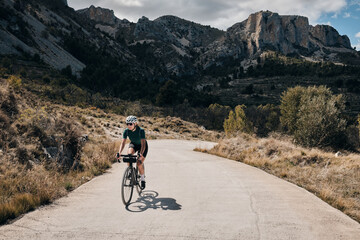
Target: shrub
{"x":264,"y":118}
{"x":8,"y":102}
{"x":352,"y":137}
{"x":216,"y":115}
{"x":289,"y":108}
{"x":237,"y":121}
{"x":167,"y":94}
{"x":15,"y":81}
{"x":20,"y":204}
{"x":35,"y":117}
{"x":4,"y":120}
{"x":22,"y":155}
{"x":98,"y":101}
{"x":74,"y":95}
{"x":313,"y":116}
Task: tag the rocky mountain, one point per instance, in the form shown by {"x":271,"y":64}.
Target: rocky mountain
{"x":108,"y":54}
{"x":171,"y":42}
{"x":176,"y":46}
{"x":45,"y":28}
{"x":206,"y":46}
{"x":100,"y":15}
{"x":288,"y":35}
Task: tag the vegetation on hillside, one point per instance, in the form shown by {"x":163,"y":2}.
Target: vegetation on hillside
{"x":274,"y":64}
{"x":314,"y":116}
{"x":43,"y":153}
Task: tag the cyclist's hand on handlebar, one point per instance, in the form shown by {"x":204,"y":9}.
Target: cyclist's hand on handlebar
{"x":118,"y":157}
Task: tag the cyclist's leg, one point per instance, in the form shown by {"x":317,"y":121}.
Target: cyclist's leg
{"x":131,"y":150}
{"x":141,"y":166}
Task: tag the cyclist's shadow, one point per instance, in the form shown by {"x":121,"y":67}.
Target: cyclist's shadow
{"x":149,"y":200}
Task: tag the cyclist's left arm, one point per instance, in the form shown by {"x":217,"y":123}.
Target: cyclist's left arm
{"x":143,"y":144}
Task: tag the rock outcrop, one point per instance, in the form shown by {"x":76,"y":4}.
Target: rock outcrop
{"x":99,"y":15}
{"x":285,"y":34}
{"x":328,"y":36}
{"x":288,"y":35}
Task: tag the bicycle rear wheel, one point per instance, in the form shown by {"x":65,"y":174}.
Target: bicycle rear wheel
{"x":127,"y":186}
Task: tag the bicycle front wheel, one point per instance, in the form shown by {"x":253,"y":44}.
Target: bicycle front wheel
{"x":127,"y":186}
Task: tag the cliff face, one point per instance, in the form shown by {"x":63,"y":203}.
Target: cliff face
{"x":328,"y":36}
{"x":100,"y":15}
{"x":286,"y":34}
{"x":264,"y":31}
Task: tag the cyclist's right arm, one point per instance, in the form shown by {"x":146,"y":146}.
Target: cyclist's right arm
{"x":122,"y":145}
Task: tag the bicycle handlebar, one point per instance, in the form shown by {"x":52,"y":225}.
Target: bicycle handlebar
{"x":130,"y":155}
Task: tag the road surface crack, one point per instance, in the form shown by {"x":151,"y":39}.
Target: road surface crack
{"x":256,"y":214}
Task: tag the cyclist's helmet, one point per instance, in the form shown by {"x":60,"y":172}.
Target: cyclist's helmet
{"x":131,"y":119}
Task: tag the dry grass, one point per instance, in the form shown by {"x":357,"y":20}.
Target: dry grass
{"x":23,"y":189}
{"x":336,"y":180}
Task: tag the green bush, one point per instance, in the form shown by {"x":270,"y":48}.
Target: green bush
{"x":313,"y":116}
{"x":167,"y":94}
{"x":237,"y":121}
{"x":264,"y":118}
{"x":216,"y":114}
{"x":74,"y":95}
{"x":289,"y":108}
{"x":15,"y":81}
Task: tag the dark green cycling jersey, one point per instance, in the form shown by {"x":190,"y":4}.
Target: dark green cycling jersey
{"x":134,"y":136}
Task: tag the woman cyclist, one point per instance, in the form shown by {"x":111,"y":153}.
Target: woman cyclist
{"x":138,"y":142}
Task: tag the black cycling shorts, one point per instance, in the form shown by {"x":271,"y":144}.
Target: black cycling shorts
{"x":137,"y":147}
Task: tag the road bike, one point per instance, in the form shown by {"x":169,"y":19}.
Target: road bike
{"x":130,"y":179}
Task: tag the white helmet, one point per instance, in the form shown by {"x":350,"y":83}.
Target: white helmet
{"x":131,"y":119}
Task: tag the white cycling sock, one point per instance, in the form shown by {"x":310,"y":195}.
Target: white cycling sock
{"x":142,"y":177}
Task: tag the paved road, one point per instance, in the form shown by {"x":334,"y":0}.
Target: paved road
{"x":189,"y":195}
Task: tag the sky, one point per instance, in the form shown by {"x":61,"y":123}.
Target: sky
{"x":343,"y":15}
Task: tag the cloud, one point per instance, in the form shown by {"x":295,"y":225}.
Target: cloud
{"x":216,"y":13}
{"x":324,"y":23}
{"x":347,"y":15}
{"x":354,"y":2}
{"x":357,"y":35}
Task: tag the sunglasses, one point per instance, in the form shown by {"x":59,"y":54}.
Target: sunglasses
{"x":129,"y":124}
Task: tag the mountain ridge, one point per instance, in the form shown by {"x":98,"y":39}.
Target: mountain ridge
{"x":169,"y":38}
{"x":108,"y":54}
